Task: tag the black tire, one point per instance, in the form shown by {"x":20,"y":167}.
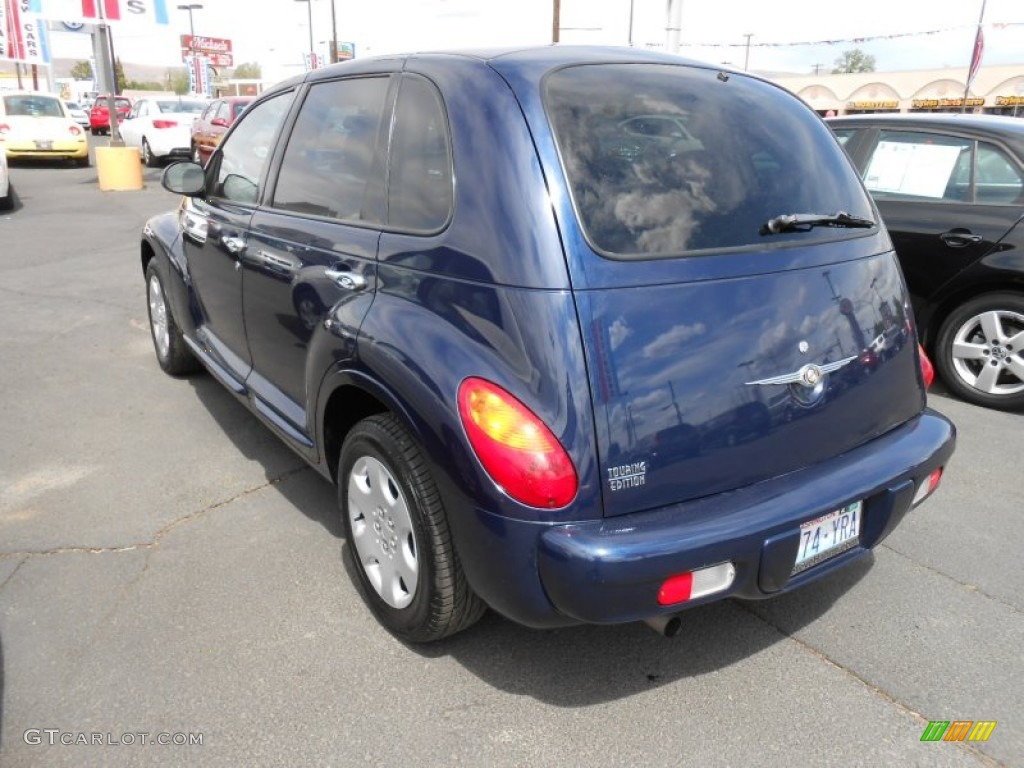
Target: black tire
{"x":172,"y":352}
{"x":82,"y":162}
{"x":7,"y":203}
{"x":94,"y":131}
{"x":148,"y":157}
{"x":441,"y":603}
{"x":995,"y":378}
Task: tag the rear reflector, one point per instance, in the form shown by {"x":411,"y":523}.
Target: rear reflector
{"x":694,"y":584}
{"x":927,"y":487}
{"x":927,"y":369}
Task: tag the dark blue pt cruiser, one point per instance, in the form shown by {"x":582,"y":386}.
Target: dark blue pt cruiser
{"x":581,"y":334}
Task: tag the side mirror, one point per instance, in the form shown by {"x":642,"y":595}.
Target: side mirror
{"x":185,"y":178}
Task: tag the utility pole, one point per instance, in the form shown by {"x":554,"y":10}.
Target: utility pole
{"x":674,"y":26}
{"x":334,"y":35}
{"x":556,"y":20}
{"x":746,"y":59}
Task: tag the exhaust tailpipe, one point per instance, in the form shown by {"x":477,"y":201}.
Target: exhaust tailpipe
{"x":668,"y":626}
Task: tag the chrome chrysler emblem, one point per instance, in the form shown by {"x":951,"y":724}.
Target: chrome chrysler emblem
{"x":809,"y":376}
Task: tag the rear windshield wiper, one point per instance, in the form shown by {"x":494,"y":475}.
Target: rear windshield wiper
{"x":801,"y":222}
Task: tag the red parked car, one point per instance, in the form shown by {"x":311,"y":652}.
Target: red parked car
{"x":99,"y":115}
{"x":208,"y":130}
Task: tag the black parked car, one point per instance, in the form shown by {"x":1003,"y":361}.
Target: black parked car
{"x":576,"y":338}
{"x":951,"y":192}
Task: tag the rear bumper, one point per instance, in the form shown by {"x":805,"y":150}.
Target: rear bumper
{"x":610,"y":571}
{"x":73,"y":148}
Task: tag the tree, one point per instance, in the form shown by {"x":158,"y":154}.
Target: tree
{"x":119,"y":78}
{"x":82,"y":71}
{"x":248,"y":71}
{"x":854,"y":60}
{"x":177,"y":80}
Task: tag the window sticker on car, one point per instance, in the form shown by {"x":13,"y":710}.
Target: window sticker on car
{"x":911,"y":169}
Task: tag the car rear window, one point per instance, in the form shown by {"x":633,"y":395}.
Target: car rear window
{"x":665,"y":160}
{"x":32,"y":106}
{"x":181,"y":105}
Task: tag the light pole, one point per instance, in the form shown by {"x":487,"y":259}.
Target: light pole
{"x":309,"y":7}
{"x":746,"y":58}
{"x":191,"y":27}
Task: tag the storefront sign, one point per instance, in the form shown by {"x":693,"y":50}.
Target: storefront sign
{"x":945,"y":103}
{"x":887,"y":104}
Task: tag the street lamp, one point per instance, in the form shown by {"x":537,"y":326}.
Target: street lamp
{"x":191,"y":27}
{"x":309,"y":7}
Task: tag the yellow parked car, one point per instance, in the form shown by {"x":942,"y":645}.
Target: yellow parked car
{"x":34,"y":124}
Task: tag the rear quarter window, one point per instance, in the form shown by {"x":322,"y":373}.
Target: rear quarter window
{"x":665,"y":160}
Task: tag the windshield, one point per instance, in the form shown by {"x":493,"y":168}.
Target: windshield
{"x":664,"y":160}
{"x":33,"y":106}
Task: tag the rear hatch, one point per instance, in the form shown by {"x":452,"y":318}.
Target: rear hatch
{"x":726,"y":341}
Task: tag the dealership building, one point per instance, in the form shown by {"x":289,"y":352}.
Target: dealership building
{"x":997,"y":90}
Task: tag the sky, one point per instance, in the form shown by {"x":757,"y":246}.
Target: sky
{"x":900,"y":34}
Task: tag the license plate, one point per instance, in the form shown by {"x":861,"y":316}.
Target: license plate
{"x":44,"y":145}
{"x":828,"y":535}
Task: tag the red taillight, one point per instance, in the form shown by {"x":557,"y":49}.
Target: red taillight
{"x":927,"y":369}
{"x":516,"y":448}
{"x":75,"y":130}
{"x":4,"y":128}
{"x":164,"y":123}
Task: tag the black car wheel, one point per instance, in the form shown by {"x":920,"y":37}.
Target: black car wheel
{"x":980,"y":351}
{"x":172,"y":353}
{"x":147,"y":155}
{"x":398,"y":537}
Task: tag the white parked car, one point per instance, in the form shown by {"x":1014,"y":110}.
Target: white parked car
{"x":161,"y":127}
{"x":6,"y":196}
{"x":78,"y":114}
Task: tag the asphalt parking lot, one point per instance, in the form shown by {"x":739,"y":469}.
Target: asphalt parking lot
{"x":169,"y":570}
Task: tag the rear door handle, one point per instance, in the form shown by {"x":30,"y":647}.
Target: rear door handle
{"x":350,"y":281}
{"x":959,"y":238}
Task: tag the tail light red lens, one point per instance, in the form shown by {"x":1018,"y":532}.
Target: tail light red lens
{"x":75,"y":130}
{"x":927,"y":369}
{"x":4,"y":128}
{"x":164,"y":123}
{"x":516,"y":448}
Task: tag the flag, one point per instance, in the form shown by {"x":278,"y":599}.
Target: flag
{"x":979,"y":49}
{"x":22,"y":33}
{"x":116,"y":11}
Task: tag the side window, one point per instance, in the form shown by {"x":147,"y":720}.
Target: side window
{"x":243,"y":158}
{"x":908,"y":164}
{"x":208,"y":113}
{"x":998,"y":179}
{"x":420,"y":184}
{"x":329,"y":165}
{"x":136,"y":110}
{"x":843,"y":134}
{"x":223,"y":111}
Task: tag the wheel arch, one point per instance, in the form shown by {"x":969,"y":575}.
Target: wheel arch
{"x":346,"y":398}
{"x":961,"y":295}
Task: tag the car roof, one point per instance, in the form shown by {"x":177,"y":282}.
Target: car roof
{"x":533,"y":62}
{"x":954,"y":121}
